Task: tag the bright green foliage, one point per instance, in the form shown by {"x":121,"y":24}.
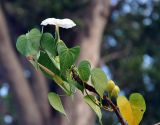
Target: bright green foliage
{"x":34,"y":37}
{"x":99,"y":80}
{"x":88,"y":99}
{"x":67,"y":56}
{"x":132,"y":110}
{"x":138,"y":106}
{"x":48,"y":44}
{"x":22,"y":45}
{"x":84,"y":70}
{"x":57,"y":61}
{"x":29,"y":44}
{"x":56,"y":103}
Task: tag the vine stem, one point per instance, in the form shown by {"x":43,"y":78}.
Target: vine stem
{"x":57,"y":32}
{"x":91,"y":89}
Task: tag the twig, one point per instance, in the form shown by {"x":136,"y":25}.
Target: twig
{"x":116,"y":110}
{"x":88,"y":87}
{"x":46,"y":70}
{"x":91,"y":89}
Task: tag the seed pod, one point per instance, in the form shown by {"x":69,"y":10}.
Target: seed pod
{"x":110,"y":86}
{"x":115,"y":91}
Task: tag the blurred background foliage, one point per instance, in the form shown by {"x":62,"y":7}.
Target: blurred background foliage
{"x":130,"y":51}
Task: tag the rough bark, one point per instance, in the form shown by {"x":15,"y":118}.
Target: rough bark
{"x":26,"y":105}
{"x":90,"y":38}
{"x":95,"y":19}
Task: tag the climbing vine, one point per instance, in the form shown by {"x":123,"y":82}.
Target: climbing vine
{"x":51,"y":55}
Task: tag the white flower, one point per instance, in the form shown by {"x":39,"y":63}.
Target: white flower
{"x":64,"y":23}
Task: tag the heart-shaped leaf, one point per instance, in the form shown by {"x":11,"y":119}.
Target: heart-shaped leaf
{"x":132,"y":110}
{"x":34,"y":37}
{"x":55,"y":102}
{"x":48,"y":44}
{"x":99,"y":80}
{"x":29,"y":44}
{"x":22,"y":45}
{"x":67,"y":56}
{"x":84,"y":70}
{"x":89,"y":100}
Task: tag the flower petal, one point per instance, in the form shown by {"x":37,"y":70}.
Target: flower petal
{"x":64,"y":23}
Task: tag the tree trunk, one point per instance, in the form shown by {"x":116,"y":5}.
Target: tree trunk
{"x":95,"y":19}
{"x":40,"y":90}
{"x":26,"y":105}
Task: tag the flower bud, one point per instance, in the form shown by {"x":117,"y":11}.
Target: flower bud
{"x":115,"y":91}
{"x":110,"y":86}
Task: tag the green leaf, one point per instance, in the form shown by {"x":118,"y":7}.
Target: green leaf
{"x":22,"y":46}
{"x":99,"y":80}
{"x":61,"y":46}
{"x":55,"y":102}
{"x":69,"y":90}
{"x":45,"y":60}
{"x":67,"y":56}
{"x":48,"y":44}
{"x":138,"y":106}
{"x":95,"y":108}
{"x":34,"y":37}
{"x":29,"y":44}
{"x":84,"y":70}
